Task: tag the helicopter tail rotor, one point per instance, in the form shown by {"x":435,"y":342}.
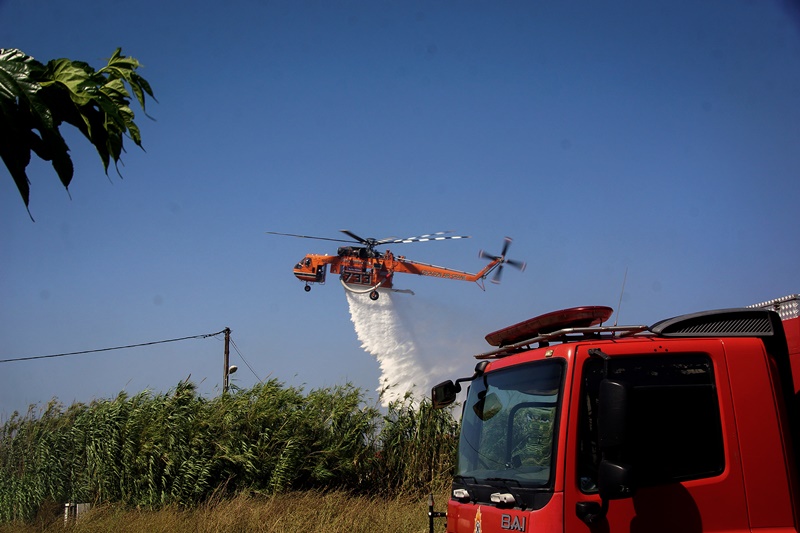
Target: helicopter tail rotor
{"x":503,"y":261}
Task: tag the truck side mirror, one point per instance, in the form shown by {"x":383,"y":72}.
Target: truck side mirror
{"x":615,"y":477}
{"x":615,"y":480}
{"x":612,"y":415}
{"x":444,"y":394}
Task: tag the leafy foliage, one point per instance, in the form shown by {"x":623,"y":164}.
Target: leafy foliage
{"x":178,"y":448}
{"x":35,"y":99}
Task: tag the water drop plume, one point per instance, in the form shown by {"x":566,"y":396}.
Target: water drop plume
{"x":417,"y":343}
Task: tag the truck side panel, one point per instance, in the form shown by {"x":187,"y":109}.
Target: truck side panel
{"x":764,"y":441}
{"x":792,"y":329}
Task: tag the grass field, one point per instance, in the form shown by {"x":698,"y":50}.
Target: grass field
{"x":308,"y":511}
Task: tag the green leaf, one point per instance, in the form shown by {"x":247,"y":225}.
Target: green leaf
{"x":53,"y":148}
{"x":35,"y":99}
{"x":18,"y":83}
{"x":75,"y":77}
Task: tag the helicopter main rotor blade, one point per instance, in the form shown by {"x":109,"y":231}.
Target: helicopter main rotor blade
{"x":306,"y":236}
{"x":414,"y":239}
{"x":371,"y":243}
{"x":356,"y":237}
{"x":438,"y":236}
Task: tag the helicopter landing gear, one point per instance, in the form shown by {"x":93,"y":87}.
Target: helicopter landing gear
{"x":373,"y":295}
{"x":307,"y":288}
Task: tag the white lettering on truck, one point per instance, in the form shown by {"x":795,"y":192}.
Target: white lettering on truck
{"x":513,"y":523}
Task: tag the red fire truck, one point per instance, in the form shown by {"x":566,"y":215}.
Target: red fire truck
{"x":687,"y":425}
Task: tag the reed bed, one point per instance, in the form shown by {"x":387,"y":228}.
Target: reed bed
{"x":178,"y":455}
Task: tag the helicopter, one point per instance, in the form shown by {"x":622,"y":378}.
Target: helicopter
{"x":363,"y":269}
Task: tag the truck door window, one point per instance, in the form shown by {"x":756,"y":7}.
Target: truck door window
{"x":674,"y":425}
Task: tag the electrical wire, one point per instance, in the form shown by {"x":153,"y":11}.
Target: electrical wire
{"x":204,"y":336}
{"x":245,"y":361}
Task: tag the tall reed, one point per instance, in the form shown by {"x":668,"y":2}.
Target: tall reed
{"x":179,"y":448}
{"x":417,"y":446}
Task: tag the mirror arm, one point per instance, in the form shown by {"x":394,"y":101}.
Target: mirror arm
{"x":445,"y":393}
{"x":597,"y":352}
{"x":479,"y":370}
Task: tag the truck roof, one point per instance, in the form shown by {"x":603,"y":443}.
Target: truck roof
{"x":560,"y":326}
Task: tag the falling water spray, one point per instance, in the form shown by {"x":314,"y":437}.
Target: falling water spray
{"x":417,"y":343}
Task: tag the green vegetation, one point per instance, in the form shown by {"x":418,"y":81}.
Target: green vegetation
{"x":179,"y":453}
{"x":36,"y":99}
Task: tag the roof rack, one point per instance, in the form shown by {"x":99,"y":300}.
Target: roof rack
{"x":563,"y":335}
{"x":760,"y":320}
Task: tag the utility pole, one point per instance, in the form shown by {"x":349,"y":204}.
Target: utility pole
{"x":227,"y":360}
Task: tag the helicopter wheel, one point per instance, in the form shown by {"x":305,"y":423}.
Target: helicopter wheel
{"x":373,"y":295}
{"x":307,"y":288}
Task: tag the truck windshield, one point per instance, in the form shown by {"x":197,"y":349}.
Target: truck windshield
{"x":509,"y":424}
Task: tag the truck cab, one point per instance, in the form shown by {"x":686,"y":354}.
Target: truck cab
{"x":687,"y":425}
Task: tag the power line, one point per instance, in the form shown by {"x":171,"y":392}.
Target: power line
{"x":204,"y":336}
{"x":245,"y":361}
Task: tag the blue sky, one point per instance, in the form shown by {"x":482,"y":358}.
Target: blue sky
{"x":658,"y":138}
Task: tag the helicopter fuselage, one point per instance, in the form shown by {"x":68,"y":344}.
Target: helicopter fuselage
{"x":355,"y":266}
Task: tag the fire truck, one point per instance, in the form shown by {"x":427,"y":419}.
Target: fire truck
{"x":687,"y":425}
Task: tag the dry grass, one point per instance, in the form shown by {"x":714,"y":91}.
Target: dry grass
{"x":309,"y":511}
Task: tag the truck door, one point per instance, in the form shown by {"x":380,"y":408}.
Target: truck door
{"x":679,"y":440}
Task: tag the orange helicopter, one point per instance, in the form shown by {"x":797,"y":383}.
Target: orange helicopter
{"x":363,"y":269}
